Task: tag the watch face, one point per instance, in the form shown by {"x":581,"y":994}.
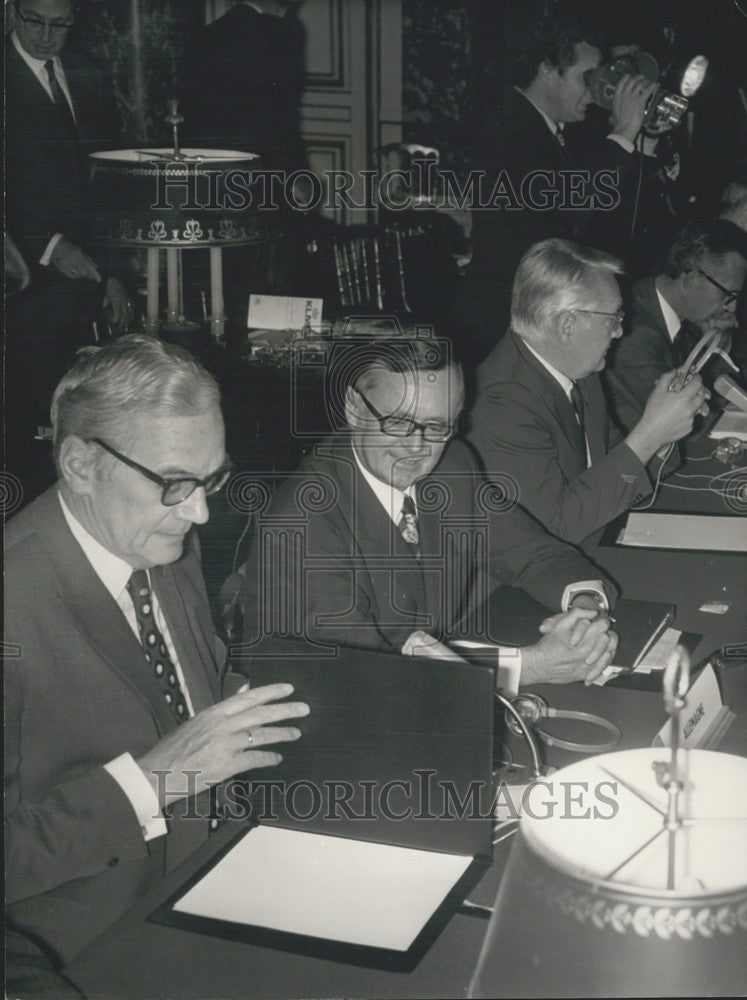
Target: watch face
{"x":603,"y":821}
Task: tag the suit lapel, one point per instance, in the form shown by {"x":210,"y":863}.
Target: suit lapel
{"x":648,"y":303}
{"x":95,"y":610}
{"x":549,"y":393}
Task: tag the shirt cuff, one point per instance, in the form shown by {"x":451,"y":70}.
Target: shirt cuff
{"x":46,"y":257}
{"x":509,"y":670}
{"x":138,"y":790}
{"x":593,"y":587}
{"x":626,"y":144}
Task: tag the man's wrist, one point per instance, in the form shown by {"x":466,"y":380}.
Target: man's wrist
{"x":592,"y":590}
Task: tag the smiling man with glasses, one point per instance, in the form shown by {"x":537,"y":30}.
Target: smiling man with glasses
{"x":115,"y":727}
{"x":382,"y":537}
{"x":695,"y":291}
{"x":540,"y":413}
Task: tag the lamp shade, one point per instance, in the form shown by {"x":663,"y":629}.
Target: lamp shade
{"x":206,"y":198}
{"x":584,"y":909}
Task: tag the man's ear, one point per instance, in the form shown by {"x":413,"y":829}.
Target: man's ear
{"x":547,"y":72}
{"x":688,"y":279}
{"x":78,"y":464}
{"x":565,"y":325}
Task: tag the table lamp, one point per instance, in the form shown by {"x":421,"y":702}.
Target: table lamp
{"x":628,"y":878}
{"x":177,"y":200}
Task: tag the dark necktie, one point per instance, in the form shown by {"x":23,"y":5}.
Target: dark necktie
{"x":408,"y":523}
{"x":578,"y":405}
{"x":156,"y":651}
{"x":560,"y":139}
{"x":680,"y":347}
{"x":58,"y":96}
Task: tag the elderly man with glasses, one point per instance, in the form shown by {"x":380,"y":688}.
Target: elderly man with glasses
{"x":116,"y":733}
{"x":380,"y":539}
{"x":540,"y":416}
{"x":694,"y":292}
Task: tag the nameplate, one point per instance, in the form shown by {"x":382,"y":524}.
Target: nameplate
{"x":284,"y":312}
{"x":704,"y":719}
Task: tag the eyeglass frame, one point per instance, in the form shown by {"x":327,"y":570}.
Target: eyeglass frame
{"x":618,"y":317}
{"x":39,"y":24}
{"x":167,"y":484}
{"x":729,"y":295}
{"x":415,"y":424}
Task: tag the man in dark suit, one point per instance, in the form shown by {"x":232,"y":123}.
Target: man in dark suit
{"x":115,"y":730}
{"x":57,"y":110}
{"x":379,"y":539}
{"x":530,"y":159}
{"x":695,"y":292}
{"x":540,"y":416}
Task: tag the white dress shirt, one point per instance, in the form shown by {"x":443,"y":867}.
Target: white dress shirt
{"x":114,"y":574}
{"x":39,"y":69}
{"x":672,"y":320}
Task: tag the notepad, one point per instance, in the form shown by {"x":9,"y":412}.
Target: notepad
{"x":333,"y":888}
{"x":685,"y":531}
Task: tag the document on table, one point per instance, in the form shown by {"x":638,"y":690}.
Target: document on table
{"x":685,"y":531}
{"x":326,"y":887}
{"x":731,"y":424}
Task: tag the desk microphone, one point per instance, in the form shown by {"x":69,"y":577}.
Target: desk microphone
{"x":728,"y":388}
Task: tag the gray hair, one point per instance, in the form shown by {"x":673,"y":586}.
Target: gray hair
{"x":136,"y":374}
{"x":552,"y":277}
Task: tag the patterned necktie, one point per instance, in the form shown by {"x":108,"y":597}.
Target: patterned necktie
{"x":578,"y":405}
{"x":408,"y":523}
{"x":156,"y":651}
{"x":58,"y":96}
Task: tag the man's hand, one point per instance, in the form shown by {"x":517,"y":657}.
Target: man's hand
{"x":119,"y":304}
{"x":668,"y":416}
{"x":222,"y":741}
{"x":629,"y":105}
{"x":71,"y":261}
{"x":575,"y":646}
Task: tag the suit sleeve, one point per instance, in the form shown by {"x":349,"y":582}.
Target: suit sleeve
{"x":309,"y":582}
{"x":83,"y":826}
{"x":634,"y":368}
{"x":513,"y":441}
{"x":522,"y":554}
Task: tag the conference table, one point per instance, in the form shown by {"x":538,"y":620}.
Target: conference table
{"x":138,"y":957}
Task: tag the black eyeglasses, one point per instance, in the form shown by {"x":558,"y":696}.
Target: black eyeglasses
{"x":615,"y":320}
{"x":435,"y":431}
{"x":39,"y":24}
{"x":175,"y":491}
{"x":729,"y":296}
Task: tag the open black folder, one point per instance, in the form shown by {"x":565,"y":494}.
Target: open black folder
{"x":383,"y":807}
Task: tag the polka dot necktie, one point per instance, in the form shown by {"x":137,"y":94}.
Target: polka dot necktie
{"x":156,"y":651}
{"x":408,"y":524}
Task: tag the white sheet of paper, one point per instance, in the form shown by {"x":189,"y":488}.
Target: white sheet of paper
{"x":284,"y":312}
{"x":686,"y":531}
{"x":656,"y":658}
{"x":327,"y":887}
{"x":731,"y":423}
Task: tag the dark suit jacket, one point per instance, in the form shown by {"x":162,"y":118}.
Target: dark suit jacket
{"x":518,"y":142}
{"x":78,"y":693}
{"x":523,"y":426}
{"x":328,"y":562}
{"x":243,"y":84}
{"x":641,"y":356}
{"x":46,"y":165}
